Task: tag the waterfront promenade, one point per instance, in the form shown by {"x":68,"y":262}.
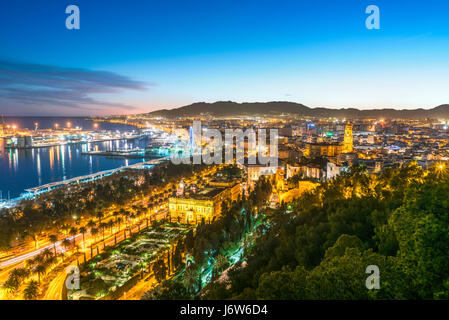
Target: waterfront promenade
{"x":35,"y":191}
{"x":91,"y":177}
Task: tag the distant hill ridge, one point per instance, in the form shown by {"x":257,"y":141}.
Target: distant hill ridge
{"x":229,"y":108}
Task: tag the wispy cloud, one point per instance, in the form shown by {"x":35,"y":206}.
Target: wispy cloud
{"x":27,"y":88}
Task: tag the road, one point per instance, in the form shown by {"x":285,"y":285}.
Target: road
{"x":136,"y":292}
{"x":33,"y":253}
{"x":54,"y":291}
{"x":55,"y":287}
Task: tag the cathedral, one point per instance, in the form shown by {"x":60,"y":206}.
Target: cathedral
{"x":326,"y":149}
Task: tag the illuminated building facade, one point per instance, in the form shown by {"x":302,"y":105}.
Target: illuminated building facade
{"x":326,"y":149}
{"x":348,"y":141}
{"x":323,"y":149}
{"x":205,"y":204}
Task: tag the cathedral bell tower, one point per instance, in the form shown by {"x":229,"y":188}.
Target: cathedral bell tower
{"x":348,"y":139}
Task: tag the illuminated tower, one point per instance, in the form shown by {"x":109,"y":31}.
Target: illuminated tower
{"x":348,"y":140}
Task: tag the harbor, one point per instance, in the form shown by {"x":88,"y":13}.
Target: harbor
{"x":56,"y":154}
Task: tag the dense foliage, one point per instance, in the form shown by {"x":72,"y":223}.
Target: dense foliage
{"x":50,"y":211}
{"x":210,"y":247}
{"x":319,"y":246}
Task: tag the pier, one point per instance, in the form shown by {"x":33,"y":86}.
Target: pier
{"x":91,"y":177}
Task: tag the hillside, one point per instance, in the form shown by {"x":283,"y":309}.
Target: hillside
{"x":229,"y":108}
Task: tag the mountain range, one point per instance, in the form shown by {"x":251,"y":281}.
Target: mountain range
{"x":229,"y":108}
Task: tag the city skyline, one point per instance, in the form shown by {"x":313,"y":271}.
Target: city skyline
{"x":221,"y":155}
{"x":135,"y":59}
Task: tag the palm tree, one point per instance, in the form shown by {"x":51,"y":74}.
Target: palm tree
{"x":119,"y":220}
{"x":221,"y":263}
{"x":91,"y":224}
{"x":53,"y":239}
{"x":127,"y":215}
{"x":38,"y":259}
{"x":100,"y":216}
{"x":111,"y":224}
{"x":73,"y":232}
{"x":66,"y":244}
{"x":31,"y":291}
{"x":29,"y":263}
{"x":65,"y":227}
{"x":94,"y":232}
{"x":50,"y":261}
{"x":190,"y":279}
{"x":40,"y":270}
{"x":11,"y":285}
{"x":83,"y":230}
{"x":102,"y":226}
{"x":19,"y":274}
{"x":46,"y":253}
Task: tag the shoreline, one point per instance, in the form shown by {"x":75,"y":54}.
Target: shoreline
{"x":79,"y":179}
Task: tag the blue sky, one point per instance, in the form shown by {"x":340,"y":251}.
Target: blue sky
{"x":137,"y":56}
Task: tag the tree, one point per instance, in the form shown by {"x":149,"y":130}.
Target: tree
{"x":189,"y":241}
{"x":40,"y":270}
{"x":73,"y":232}
{"x":15,"y":279}
{"x":46,"y":254}
{"x":190,"y":278}
{"x":177,"y":257}
{"x":160,"y":270}
{"x":65,"y":227}
{"x":168,"y":290}
{"x":83,"y":230}
{"x":217,"y":291}
{"x":20,"y":274}
{"x":100,"y":216}
{"x":31,"y":292}
{"x":53,"y":239}
{"x":11,"y":285}
{"x":110,"y":224}
{"x":102,"y":226}
{"x":421,"y":228}
{"x":66,"y":244}
{"x":119,"y":221}
{"x":343,"y":242}
{"x":221,"y":264}
{"x":94,"y":232}
{"x":91,"y":224}
{"x":283,"y":285}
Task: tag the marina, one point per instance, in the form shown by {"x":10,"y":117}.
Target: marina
{"x":43,"y":167}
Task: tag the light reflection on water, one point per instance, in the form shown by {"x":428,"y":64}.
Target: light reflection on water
{"x":26,"y":168}
{"x":22,"y":169}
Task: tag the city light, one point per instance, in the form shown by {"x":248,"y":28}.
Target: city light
{"x":223,"y":151}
